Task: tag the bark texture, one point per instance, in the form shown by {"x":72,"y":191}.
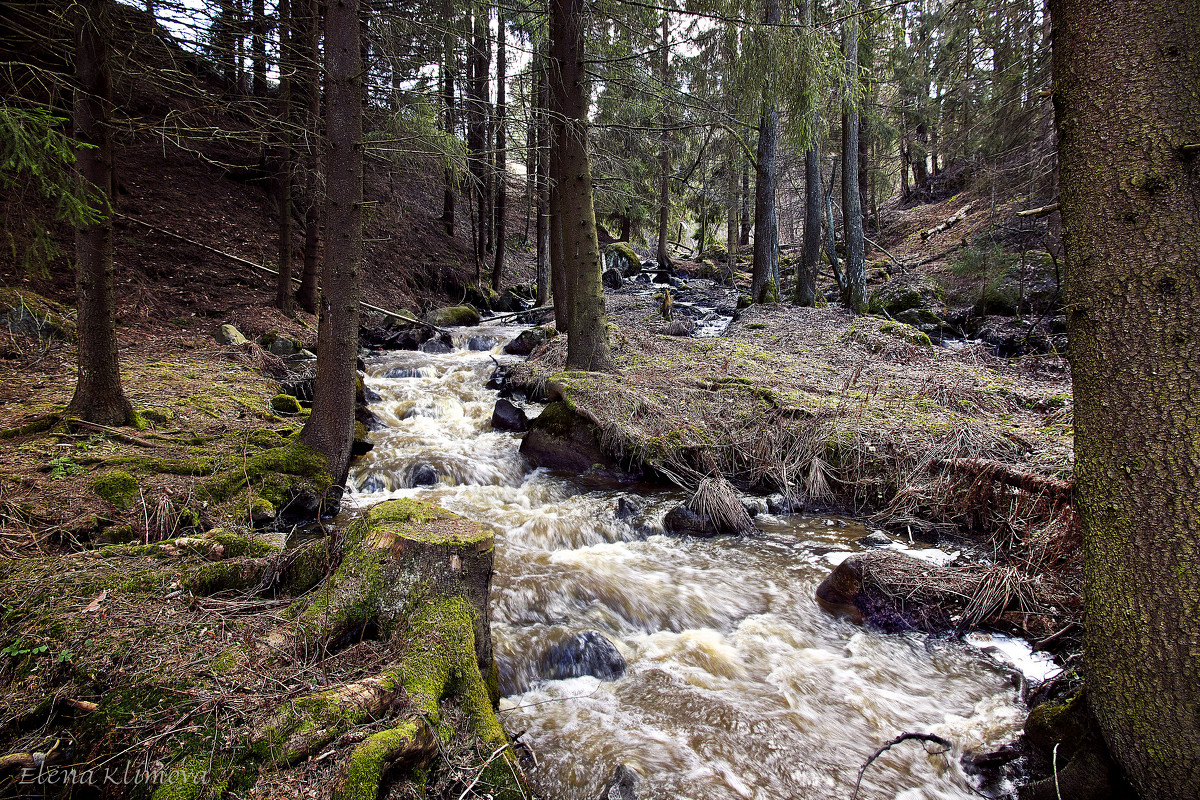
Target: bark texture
{"x":764,"y":286}
{"x":1125,"y":78}
{"x":330,"y":427}
{"x":501,"y":151}
{"x":99,"y":396}
{"x":814,"y":202}
{"x":854,"y":290}
{"x":664,"y":155}
{"x":575,"y":214}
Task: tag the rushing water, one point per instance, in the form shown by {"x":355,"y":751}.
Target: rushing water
{"x":738,"y":684}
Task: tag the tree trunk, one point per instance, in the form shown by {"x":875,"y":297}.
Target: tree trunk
{"x":501,"y":151}
{"x":587,"y":322}
{"x":287,"y":118}
{"x":814,"y":202}
{"x":831,"y":229}
{"x":330,"y":427}
{"x":764,"y":287}
{"x":223,"y":43}
{"x":98,"y":396}
{"x":307,"y":85}
{"x":478,"y":69}
{"x":258,"y":47}
{"x":744,"y":233}
{"x":664,"y":154}
{"x":1125,"y":78}
{"x":855,"y":288}
{"x":448,"y":115}
{"x":543,"y":185}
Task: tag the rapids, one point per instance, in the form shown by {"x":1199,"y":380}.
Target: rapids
{"x":738,"y":684}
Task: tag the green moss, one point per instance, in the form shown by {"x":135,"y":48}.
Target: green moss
{"x":285,"y":404}
{"x":158,"y":416}
{"x":367,"y":763}
{"x":557,"y":419}
{"x":201,"y":465}
{"x":906,"y":332}
{"x":620,"y":256}
{"x":191,"y":779}
{"x":757,"y":326}
{"x":273,"y":473}
{"x":744,"y":301}
{"x":360,"y":431}
{"x":266,"y":439}
{"x":452,"y":316}
{"x":117,"y":487}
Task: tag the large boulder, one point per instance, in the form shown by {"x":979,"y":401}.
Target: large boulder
{"x":530,"y":339}
{"x":25,"y":313}
{"x":612,"y":279}
{"x":396,"y":335}
{"x":587,"y":653}
{"x":621,"y":257}
{"x":453,"y":316}
{"x":559,"y":438}
{"x":913,"y":300}
{"x":228,"y":334}
{"x":507,"y":417}
{"x":896,"y":592}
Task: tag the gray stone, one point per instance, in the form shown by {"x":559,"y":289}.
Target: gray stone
{"x":231,"y":335}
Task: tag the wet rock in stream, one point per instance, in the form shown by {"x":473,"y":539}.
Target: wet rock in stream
{"x":422,"y":475}
{"x":683,"y":521}
{"x":587,"y":653}
{"x":507,"y":417}
{"x":622,"y":786}
{"x":559,"y":438}
{"x":627,"y":508}
{"x":481,"y":343}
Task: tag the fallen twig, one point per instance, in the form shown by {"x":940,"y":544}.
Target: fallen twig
{"x":919,"y":737}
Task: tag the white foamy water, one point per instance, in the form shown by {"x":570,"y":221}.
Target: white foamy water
{"x":738,"y":684}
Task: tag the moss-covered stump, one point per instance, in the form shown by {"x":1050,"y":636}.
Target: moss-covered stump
{"x":417,"y":578}
{"x":559,"y":438}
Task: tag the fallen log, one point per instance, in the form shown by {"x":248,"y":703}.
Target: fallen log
{"x":1039,"y":212}
{"x":958,"y":217}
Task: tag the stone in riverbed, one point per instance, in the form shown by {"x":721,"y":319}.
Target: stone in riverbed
{"x":587,"y":653}
{"x":436,"y":347}
{"x":452,"y":316}
{"x":529,"y":339}
{"x":876,"y":540}
{"x":422,"y":475}
{"x":612,"y":279}
{"x":623,"y":785}
{"x":627,"y":508}
{"x":781,"y":504}
{"x":685,"y":522}
{"x":481,"y":343}
{"x":561,"y":439}
{"x":507,"y":417}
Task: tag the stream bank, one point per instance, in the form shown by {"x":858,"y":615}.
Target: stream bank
{"x":730,"y":667}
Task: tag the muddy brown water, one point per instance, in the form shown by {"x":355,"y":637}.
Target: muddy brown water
{"x":738,"y":685}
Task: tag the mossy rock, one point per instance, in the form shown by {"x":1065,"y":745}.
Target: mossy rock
{"x":453,"y":316}
{"x":906,"y":294}
{"x":623,"y":258}
{"x":744,"y":301}
{"x":285,"y":404}
{"x":559,"y":438}
{"x":117,"y":487}
{"x":906,"y":332}
{"x":157,"y":416}
{"x":292,"y":478}
{"x":27,"y":313}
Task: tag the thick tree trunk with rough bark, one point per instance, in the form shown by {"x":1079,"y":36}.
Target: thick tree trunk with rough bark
{"x":330,"y":427}
{"x":744,"y":231}
{"x":98,"y":396}
{"x":1128,"y":115}
{"x":764,"y":285}
{"x":575,"y":214}
{"x":854,"y":291}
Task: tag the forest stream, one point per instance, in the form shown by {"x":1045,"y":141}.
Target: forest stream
{"x":737,"y":683}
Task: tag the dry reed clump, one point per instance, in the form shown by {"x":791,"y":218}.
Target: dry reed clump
{"x":719,"y":501}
